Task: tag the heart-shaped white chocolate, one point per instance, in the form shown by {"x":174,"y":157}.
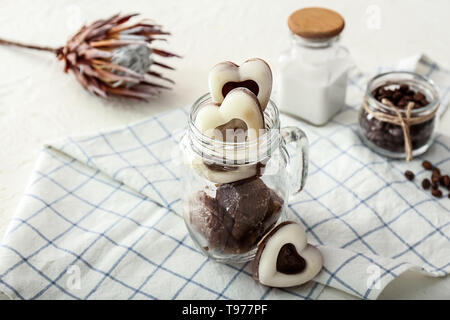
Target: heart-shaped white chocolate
{"x":227,"y":175}
{"x":254,"y":74}
{"x":267,"y":257}
{"x":241,"y":104}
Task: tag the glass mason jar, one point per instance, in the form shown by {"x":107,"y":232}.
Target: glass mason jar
{"x":312,"y":78}
{"x":387,"y":138}
{"x":235,"y":192}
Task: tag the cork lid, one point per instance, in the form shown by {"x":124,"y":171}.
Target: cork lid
{"x":316,"y":23}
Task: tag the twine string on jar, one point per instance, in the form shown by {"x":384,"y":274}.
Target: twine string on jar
{"x":404,"y":121}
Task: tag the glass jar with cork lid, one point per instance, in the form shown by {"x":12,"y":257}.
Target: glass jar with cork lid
{"x":312,"y":73}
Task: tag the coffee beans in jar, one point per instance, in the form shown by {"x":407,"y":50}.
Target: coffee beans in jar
{"x":397,"y":118}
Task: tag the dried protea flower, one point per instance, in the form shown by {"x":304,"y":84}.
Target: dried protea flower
{"x":114,"y":58}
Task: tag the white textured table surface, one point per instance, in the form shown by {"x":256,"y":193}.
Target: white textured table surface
{"x":38,"y":102}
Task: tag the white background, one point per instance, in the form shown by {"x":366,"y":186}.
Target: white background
{"x":38,"y":102}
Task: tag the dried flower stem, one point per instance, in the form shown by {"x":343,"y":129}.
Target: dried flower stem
{"x":29,"y":46}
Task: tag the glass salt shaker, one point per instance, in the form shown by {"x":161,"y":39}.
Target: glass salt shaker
{"x":312,"y":73}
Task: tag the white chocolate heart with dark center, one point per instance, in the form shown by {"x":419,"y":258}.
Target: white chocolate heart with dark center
{"x":240,"y":104}
{"x":285,"y":259}
{"x":254,"y":74}
{"x":221,"y":174}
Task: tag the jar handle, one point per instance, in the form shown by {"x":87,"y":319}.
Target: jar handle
{"x":298,"y":168}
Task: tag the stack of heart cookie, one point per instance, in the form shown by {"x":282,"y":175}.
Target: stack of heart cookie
{"x":239,"y":96}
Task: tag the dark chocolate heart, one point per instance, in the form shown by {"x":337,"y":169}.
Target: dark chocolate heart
{"x":289,"y":261}
{"x":249,"y":84}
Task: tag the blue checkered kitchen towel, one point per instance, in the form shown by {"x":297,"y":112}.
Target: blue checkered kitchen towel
{"x":101,"y":218}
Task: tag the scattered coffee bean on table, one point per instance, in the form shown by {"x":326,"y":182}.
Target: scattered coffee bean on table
{"x":436,"y":193}
{"x":446,"y":181}
{"x":436,"y":172}
{"x":427,"y":165}
{"x":409,"y":175}
{"x":426,"y":184}
{"x":436,"y":180}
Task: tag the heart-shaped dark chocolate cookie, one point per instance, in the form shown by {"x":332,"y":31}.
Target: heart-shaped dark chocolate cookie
{"x":285,"y":259}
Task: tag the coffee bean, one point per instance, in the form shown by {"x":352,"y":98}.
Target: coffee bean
{"x":402,"y":103}
{"x":403,"y":88}
{"x":418,"y":96}
{"x":436,"y":193}
{"x":409,"y":175}
{"x":446,"y":181}
{"x":427,"y":165}
{"x":434,"y":185}
{"x":436,"y":172}
{"x":388,"y":93}
{"x":426,"y":184}
{"x":434,"y":178}
{"x":397,"y":96}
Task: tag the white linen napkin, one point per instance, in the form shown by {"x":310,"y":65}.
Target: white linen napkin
{"x":101,"y":218}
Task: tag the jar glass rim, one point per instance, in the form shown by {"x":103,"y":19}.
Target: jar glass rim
{"x":265,"y":143}
{"x":401,"y":77}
